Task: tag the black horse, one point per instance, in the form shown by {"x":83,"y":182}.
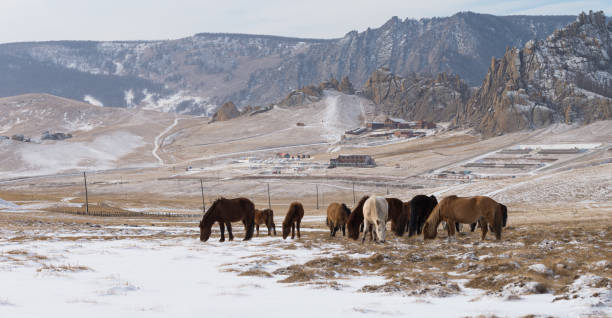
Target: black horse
{"x":420,"y":208}
{"x":504,"y":220}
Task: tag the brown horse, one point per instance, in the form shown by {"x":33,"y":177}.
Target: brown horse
{"x":355,"y":219}
{"x":293,"y":219}
{"x":337,"y":215}
{"x":467,"y":210}
{"x":504,"y":215}
{"x":226,"y":211}
{"x":266,"y":217}
{"x":396,"y":214}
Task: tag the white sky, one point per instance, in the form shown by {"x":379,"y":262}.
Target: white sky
{"x":38,"y":20}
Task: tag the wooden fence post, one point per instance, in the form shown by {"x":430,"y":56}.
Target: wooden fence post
{"x":269,"y":204}
{"x":203,"y":202}
{"x":86,"y":195}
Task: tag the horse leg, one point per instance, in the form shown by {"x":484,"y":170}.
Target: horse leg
{"x":331,"y":230}
{"x":472,"y":227}
{"x":451,"y":229}
{"x":380,"y":231}
{"x":292,"y":230}
{"x":229,"y":230}
{"x":365,"y":231}
{"x":256,"y":228}
{"x":298,"y":229}
{"x":484,"y":227}
{"x":222,"y":229}
{"x":343,"y":229}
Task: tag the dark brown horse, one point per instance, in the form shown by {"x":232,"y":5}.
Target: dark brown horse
{"x":293,"y":219}
{"x":266,"y":217}
{"x":337,"y":216}
{"x":226,"y":211}
{"x":420,"y":208}
{"x":396,"y":215}
{"x":355,"y":219}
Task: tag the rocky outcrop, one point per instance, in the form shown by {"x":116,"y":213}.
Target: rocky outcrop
{"x":564,"y":78}
{"x":417,"y":96}
{"x":196,"y":74}
{"x":226,"y":112}
{"x":55,"y":136}
{"x":313,"y":93}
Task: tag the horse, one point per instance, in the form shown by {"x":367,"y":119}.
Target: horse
{"x":293,"y":219}
{"x":420,"y":208}
{"x":337,"y":215}
{"x":226,"y":211}
{"x":375,"y":212}
{"x":465,"y":210}
{"x":266,"y":217}
{"x":505,"y":220}
{"x":397,"y":216}
{"x":355,"y":219}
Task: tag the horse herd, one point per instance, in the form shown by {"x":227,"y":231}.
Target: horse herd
{"x":422,"y":214}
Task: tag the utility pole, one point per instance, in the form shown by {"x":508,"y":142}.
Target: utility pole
{"x":86,"y":195}
{"x":203,"y":202}
{"x":354,"y":202}
{"x":317,"y":187}
{"x":269,"y":204}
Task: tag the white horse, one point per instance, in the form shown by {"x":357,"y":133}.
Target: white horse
{"x":375,"y":211}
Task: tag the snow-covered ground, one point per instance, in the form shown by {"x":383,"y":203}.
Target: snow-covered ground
{"x":180,"y":276}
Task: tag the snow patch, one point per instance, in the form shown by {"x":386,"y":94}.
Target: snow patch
{"x":92,"y":100}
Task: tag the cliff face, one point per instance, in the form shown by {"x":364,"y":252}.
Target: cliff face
{"x":313,"y":93}
{"x":198,"y":73}
{"x":565,"y":78}
{"x":417,"y":96}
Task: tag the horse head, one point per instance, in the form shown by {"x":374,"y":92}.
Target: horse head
{"x":207,"y":222}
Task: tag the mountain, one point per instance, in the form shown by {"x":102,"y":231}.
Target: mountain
{"x":196,"y":74}
{"x":565,"y":78}
{"x":417,"y":96}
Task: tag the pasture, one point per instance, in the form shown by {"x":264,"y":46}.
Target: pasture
{"x":547,"y":266}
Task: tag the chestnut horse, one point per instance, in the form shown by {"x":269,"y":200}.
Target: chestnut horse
{"x":397,"y":216}
{"x":293,"y":219}
{"x":420,"y":208}
{"x":337,"y":215}
{"x":466,"y":210}
{"x":375,"y":214}
{"x":226,"y":211}
{"x":266,"y":217}
{"x":505,"y":219}
{"x":355,"y":219}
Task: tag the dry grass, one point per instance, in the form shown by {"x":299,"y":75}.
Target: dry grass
{"x":62,"y":268}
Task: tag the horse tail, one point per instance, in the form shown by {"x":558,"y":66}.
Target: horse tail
{"x":430,"y":229}
{"x":504,"y":210}
{"x":400,"y":226}
{"x":413,"y":224}
{"x":498,"y":220}
{"x":250,"y":221}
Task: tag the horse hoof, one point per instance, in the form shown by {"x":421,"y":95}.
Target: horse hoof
{"x":222,"y":240}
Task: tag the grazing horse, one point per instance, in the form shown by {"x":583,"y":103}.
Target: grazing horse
{"x":466,"y":210}
{"x":266,"y":217}
{"x":293,"y":219}
{"x":504,"y":215}
{"x":337,"y":215}
{"x":397,"y":216}
{"x":375,"y":211}
{"x":226,"y":211}
{"x":420,"y":208}
{"x":355,"y":219}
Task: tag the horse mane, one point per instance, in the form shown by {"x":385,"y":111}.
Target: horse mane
{"x":346,"y":209}
{"x":504,"y":210}
{"x":430,"y":229}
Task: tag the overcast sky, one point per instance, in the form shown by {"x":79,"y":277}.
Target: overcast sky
{"x":38,"y":20}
